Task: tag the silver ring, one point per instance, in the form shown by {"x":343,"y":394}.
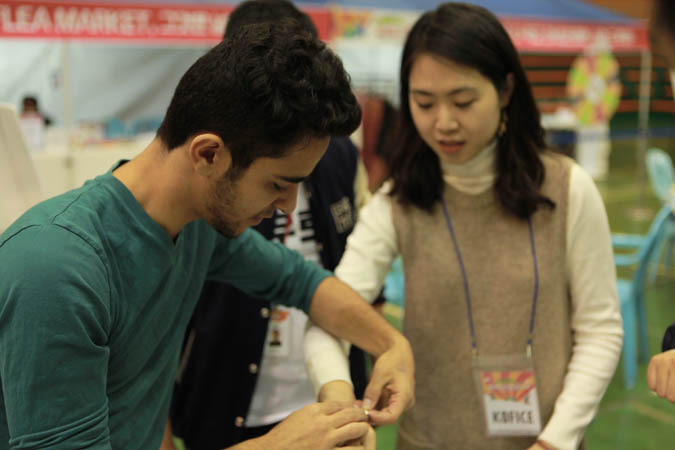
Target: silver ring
{"x":367,"y":413}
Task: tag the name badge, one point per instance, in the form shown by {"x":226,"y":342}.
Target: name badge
{"x":507,"y":388}
{"x":510,"y":403}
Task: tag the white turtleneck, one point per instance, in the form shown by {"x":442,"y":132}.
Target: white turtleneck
{"x":476,"y":175}
{"x":596,"y":317}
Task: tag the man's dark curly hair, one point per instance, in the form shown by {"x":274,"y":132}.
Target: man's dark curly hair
{"x":268,"y":87}
{"x":258,"y":11}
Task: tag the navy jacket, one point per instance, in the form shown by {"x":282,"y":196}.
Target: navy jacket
{"x":227,"y":332}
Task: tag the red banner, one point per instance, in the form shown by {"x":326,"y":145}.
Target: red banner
{"x":565,"y":36}
{"x":205,"y":23}
{"x":129,"y":22}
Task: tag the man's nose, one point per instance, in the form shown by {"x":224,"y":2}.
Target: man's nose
{"x":288,"y":199}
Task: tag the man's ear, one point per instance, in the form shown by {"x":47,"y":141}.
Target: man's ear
{"x":209,"y":155}
{"x":505,"y":95}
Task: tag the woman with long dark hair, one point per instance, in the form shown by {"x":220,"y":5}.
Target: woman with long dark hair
{"x":510,"y":287}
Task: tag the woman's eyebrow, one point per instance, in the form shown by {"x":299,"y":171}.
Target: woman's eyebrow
{"x":455,"y":91}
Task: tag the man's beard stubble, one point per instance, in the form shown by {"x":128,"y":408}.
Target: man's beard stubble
{"x":222,"y":200}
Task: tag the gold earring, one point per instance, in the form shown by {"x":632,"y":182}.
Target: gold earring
{"x":501,"y":131}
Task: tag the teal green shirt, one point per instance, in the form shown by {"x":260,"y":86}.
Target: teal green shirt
{"x":94,"y":300}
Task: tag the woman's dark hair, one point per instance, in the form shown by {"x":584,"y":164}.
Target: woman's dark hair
{"x":471,"y":36}
{"x":263,"y":89}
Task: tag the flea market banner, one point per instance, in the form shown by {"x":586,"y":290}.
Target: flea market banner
{"x":120,"y":21}
{"x":204,"y":23}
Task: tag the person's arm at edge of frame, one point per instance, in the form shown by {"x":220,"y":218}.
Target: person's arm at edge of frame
{"x":661,"y":375}
{"x":661,"y":369}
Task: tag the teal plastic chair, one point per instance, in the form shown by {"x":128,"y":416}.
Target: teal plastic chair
{"x":394,"y":284}
{"x":661,"y":174}
{"x":641,"y":249}
{"x":662,"y":179}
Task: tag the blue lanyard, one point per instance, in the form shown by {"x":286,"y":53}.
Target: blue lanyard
{"x":467,"y":294}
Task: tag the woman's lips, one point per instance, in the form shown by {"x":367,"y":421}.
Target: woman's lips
{"x":450,"y":146}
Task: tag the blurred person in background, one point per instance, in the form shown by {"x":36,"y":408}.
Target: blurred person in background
{"x":378,"y":134}
{"x":98,"y":284}
{"x":510,"y":287}
{"x":33,"y":123}
{"x":661,"y":369}
{"x":30,"y":108}
{"x":242,"y":369}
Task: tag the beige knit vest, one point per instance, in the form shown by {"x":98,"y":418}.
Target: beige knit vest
{"x":495,"y":247}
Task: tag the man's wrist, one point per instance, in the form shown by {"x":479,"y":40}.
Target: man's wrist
{"x":402,"y":346}
{"x":393,"y":341}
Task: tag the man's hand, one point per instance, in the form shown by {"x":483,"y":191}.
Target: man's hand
{"x":661,"y":375}
{"x":370,"y":441}
{"x":339,"y":310}
{"x":390,"y":391}
{"x":367,"y":442}
{"x":343,"y":393}
{"x":319,"y":426}
{"x":392,"y":385}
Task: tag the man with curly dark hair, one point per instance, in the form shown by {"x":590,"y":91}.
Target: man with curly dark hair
{"x":236,"y":383}
{"x":98,"y":284}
